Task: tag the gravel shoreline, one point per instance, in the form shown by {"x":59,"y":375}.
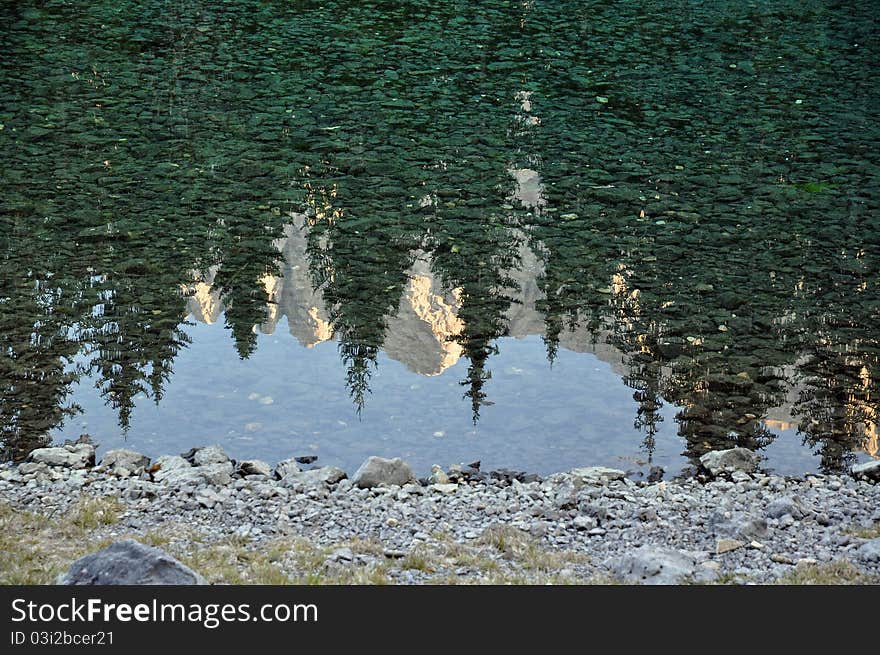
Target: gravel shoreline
{"x":731,"y":524}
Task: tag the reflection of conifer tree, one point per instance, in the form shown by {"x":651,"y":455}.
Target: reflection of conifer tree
{"x":35,"y":359}
{"x":362,"y":276}
{"x":246,"y":262}
{"x":477,"y":265}
{"x":835,"y":405}
{"x":837,"y":402}
{"x":645,"y":380}
{"x":134,"y":339}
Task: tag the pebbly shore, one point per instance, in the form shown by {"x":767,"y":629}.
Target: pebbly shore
{"x":249,"y":521}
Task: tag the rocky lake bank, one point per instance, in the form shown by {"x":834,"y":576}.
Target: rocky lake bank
{"x":243,"y":522}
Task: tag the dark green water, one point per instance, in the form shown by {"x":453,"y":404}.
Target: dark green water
{"x":546,"y":234}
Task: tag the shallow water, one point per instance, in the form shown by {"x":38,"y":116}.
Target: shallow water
{"x":539,"y":234}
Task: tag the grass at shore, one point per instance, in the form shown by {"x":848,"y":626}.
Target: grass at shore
{"x":867,"y":533}
{"x":35,"y":548}
{"x":839,"y":572}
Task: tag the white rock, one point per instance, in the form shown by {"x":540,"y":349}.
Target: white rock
{"x":733,"y":459}
{"x":378,"y":470}
{"x":597,"y":474}
{"x":285,"y":467}
{"x":253,"y":467}
{"x":77,"y":456}
{"x":869,"y":470}
{"x":124,"y":462}
{"x":213,"y":454}
{"x":584,"y":522}
{"x":659,"y":566}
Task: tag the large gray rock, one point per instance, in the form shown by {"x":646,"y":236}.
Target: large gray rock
{"x":867,"y":470}
{"x":210,"y":455}
{"x":129,"y":563}
{"x":738,"y":525}
{"x":324,"y":476}
{"x":176,"y":471}
{"x":167,"y":464}
{"x":869,"y":551}
{"x":597,"y":475}
{"x":656,"y":565}
{"x":734,"y":459}
{"x":378,"y":470}
{"x":75,"y":456}
{"x":218,"y":474}
{"x":124,"y":462}
{"x":285,"y":467}
{"x":253,"y":467}
{"x":783,"y":505}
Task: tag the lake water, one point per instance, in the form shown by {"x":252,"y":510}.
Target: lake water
{"x":538,"y":234}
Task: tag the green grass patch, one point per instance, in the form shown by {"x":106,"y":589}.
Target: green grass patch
{"x":839,"y":572}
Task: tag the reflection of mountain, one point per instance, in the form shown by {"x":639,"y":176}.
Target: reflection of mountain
{"x":420,"y":334}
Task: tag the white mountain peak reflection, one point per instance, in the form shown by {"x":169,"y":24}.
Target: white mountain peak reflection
{"x":420,"y":335}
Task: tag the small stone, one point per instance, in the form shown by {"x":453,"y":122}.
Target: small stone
{"x":597,"y":532}
{"x":584,"y":522}
{"x":438,"y":475}
{"x":285,"y":467}
{"x":737,"y":526}
{"x":647,"y":514}
{"x":655,"y":474}
{"x":253,"y":467}
{"x":867,"y":470}
{"x":597,"y":474}
{"x":219,"y":473}
{"x":207,"y":498}
{"x":342,"y":555}
{"x":727,"y":545}
{"x":167,"y":466}
{"x":444,"y":488}
{"x":785,"y":505}
{"x":32,"y":468}
{"x":781,"y":559}
{"x":869,"y":551}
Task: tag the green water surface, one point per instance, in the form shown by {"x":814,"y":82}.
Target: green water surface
{"x":507,"y":209}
